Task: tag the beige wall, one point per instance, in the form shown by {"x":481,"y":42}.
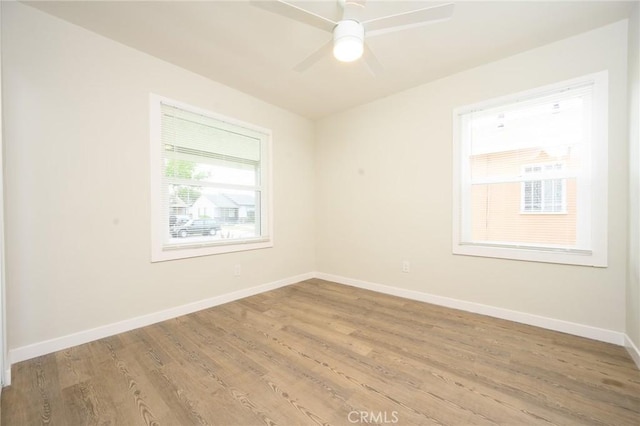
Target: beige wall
{"x":633,"y":285}
{"x":77,"y":183}
{"x":384,"y":182}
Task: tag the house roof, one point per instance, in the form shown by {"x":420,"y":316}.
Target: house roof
{"x":220,"y":200}
{"x":242,"y":199}
{"x":176,"y":201}
{"x":230,"y":200}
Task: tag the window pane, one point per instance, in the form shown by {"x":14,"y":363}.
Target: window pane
{"x":222,"y":172}
{"x":523,"y":161}
{"x":202,"y":215}
{"x":497,"y":219}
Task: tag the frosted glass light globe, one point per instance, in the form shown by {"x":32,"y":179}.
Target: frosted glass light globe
{"x":348,"y":41}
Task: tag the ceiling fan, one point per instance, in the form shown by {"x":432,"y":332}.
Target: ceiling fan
{"x":349,"y":32}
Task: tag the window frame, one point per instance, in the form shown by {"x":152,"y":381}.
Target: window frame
{"x":596,"y":155}
{"x":158,"y":221}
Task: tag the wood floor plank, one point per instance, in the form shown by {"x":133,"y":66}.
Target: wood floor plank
{"x":319,"y":353}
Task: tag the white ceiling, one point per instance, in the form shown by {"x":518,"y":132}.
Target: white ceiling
{"x":254,"y":51}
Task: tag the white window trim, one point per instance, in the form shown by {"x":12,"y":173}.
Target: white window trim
{"x":159,"y":221}
{"x":5,"y":363}
{"x":598,"y":218}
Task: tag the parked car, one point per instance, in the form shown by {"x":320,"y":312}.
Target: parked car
{"x":178,"y":219}
{"x":196,"y":227}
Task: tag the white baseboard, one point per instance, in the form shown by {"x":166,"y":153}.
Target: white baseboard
{"x":7,"y":378}
{"x":576,"y":329}
{"x":633,"y":350}
{"x":60,"y":343}
{"x":85,"y":336}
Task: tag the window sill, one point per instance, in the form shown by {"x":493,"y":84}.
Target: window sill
{"x":175,"y":253}
{"x":530,"y":254}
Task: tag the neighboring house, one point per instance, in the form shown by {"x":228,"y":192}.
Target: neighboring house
{"x":541,"y":208}
{"x":177,"y":207}
{"x":246,"y":206}
{"x":225,"y":208}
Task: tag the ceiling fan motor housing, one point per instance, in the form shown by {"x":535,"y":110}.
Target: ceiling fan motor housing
{"x":348,"y":40}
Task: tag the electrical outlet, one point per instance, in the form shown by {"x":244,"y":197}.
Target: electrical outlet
{"x":406,"y":267}
{"x":237,"y":270}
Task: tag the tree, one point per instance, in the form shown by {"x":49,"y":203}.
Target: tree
{"x":184,"y":169}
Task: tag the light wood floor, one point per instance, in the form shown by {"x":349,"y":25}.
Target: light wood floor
{"x":323,"y":353}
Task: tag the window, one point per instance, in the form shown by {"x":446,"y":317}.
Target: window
{"x":544,"y":195}
{"x":204,"y":169}
{"x":530,"y":175}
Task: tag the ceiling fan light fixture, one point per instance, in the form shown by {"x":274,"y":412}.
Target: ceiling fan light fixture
{"x":348,"y":41}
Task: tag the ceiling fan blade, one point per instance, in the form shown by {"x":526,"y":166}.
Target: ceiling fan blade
{"x":296,"y":13}
{"x":371,"y":61}
{"x":322,"y":52}
{"x":406,"y":20}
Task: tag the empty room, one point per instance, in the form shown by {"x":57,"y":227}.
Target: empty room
{"x":320,"y":212}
